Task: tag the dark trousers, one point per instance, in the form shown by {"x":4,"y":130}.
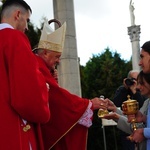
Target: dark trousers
{"x":126,"y":144}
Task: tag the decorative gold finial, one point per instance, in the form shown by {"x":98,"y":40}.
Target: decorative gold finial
{"x":128,"y":96}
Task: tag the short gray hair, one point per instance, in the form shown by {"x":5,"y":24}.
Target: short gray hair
{"x":131,"y":71}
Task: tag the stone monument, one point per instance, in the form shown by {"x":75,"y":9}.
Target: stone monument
{"x":68,"y":69}
{"x":134,"y":33}
{"x":132,"y":16}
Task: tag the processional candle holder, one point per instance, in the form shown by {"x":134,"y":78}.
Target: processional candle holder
{"x":130,"y":107}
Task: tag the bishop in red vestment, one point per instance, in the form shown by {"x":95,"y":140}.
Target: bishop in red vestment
{"x":63,"y":132}
{"x":70,"y":114}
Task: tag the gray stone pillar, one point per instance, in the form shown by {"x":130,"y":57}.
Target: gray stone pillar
{"x":134,"y":33}
{"x":68,"y":69}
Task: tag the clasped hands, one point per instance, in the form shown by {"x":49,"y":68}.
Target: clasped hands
{"x":105,"y":104}
{"x":112,"y":108}
{"x":99,"y":103}
{"x":138,"y":134}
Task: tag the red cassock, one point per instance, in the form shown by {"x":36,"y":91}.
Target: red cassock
{"x":63,"y":132}
{"x":23,"y":94}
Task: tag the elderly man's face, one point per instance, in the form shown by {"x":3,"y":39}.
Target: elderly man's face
{"x":52,"y":59}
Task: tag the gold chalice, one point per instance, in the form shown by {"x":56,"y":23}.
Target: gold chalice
{"x":130,"y":107}
{"x":102,"y":112}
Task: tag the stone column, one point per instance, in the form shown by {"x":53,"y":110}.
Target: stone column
{"x":68,"y":69}
{"x":134,"y":33}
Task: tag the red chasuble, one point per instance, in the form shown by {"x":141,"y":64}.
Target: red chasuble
{"x":23,"y":94}
{"x":63,"y":132}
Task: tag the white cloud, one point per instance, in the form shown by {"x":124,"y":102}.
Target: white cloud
{"x":40,"y":9}
{"x":101,"y":24}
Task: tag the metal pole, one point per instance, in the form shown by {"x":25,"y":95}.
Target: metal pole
{"x":104,"y":137}
{"x":115,"y":138}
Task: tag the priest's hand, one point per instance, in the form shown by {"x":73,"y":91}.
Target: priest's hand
{"x":98,"y":103}
{"x":55,"y":74}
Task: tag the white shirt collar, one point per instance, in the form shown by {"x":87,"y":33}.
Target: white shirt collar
{"x":5,"y":25}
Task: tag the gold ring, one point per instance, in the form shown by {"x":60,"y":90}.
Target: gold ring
{"x":130,"y":138}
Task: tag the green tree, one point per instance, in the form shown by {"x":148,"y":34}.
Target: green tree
{"x":102,"y":75}
{"x":33,"y":34}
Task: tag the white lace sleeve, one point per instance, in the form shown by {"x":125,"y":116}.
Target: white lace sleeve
{"x":47,"y":85}
{"x":85,"y":119}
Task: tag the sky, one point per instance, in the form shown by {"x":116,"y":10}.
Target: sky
{"x":100,"y":24}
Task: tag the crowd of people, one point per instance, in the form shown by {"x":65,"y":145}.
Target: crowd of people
{"x":141,"y":135}
{"x":31,"y":99}
{"x":129,"y":87}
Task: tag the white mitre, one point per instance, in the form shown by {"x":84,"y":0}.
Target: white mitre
{"x":52,"y":40}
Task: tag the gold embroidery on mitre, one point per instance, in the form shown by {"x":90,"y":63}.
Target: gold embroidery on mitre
{"x":52,"y":40}
{"x":50,"y":46}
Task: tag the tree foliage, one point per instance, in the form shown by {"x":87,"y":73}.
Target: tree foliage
{"x":33,"y":34}
{"x":102,"y":75}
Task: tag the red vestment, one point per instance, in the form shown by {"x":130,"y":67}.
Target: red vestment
{"x":23,"y":93}
{"x":63,"y":132}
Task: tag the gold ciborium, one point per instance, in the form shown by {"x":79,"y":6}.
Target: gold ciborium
{"x":130,"y":107}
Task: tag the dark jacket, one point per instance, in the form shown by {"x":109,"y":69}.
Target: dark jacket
{"x":122,"y":93}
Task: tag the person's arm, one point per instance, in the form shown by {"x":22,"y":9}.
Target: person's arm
{"x":95,"y":103}
{"x":124,"y":125}
{"x":118,"y":117}
{"x":86,"y":118}
{"x":144,"y":108}
{"x":54,"y":73}
{"x":146,"y":133}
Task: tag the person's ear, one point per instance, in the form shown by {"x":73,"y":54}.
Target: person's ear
{"x":17,"y":14}
{"x":45,"y":53}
